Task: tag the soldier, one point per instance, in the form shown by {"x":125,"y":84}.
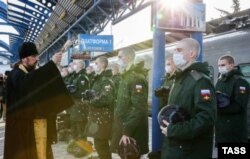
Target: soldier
{"x":131,"y":110}
{"x":91,"y":74}
{"x":116,"y":76}
{"x":163,"y":91}
{"x":163,"y":94}
{"x":232,"y":95}
{"x":193,"y":92}
{"x":101,"y":101}
{"x":79,"y":111}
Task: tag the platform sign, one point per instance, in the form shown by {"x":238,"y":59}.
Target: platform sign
{"x":188,"y":16}
{"x":98,"y":43}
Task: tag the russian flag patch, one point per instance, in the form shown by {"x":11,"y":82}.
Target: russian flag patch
{"x":205,"y":94}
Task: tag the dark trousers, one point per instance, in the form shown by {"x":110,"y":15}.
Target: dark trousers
{"x":102,"y":148}
{"x":77,"y":128}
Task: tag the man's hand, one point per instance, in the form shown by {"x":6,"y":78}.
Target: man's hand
{"x":57,"y":57}
{"x":164,"y":130}
{"x":125,"y":140}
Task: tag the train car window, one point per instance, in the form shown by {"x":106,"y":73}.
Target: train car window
{"x":245,"y":69}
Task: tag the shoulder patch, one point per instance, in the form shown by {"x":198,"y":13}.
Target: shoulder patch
{"x":205,"y":94}
{"x":242,"y":89}
{"x":138,"y":88}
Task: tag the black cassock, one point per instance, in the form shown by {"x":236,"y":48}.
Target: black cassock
{"x":40,"y":94}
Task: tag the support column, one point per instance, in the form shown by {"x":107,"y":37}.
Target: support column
{"x":157,"y":79}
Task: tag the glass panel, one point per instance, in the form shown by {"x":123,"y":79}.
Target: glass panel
{"x":19,"y":3}
{"x":15,"y":9}
{"x":2,"y":49}
{"x":5,"y":38}
{"x":2,"y":20}
{"x":245,"y":69}
{"x":8,"y":29}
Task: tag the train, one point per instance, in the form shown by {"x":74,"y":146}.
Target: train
{"x":234,"y":43}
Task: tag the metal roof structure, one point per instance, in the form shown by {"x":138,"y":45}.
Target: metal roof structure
{"x":50,"y":23}
{"x":27,"y":17}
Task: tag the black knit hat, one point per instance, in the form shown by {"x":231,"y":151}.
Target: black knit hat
{"x":27,"y":49}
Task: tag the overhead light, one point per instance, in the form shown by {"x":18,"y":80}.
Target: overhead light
{"x":62,"y":15}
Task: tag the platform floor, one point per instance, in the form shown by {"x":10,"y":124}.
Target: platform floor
{"x":60,"y":152}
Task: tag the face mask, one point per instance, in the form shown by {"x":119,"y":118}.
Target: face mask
{"x":122,"y":64}
{"x":168,"y":69}
{"x":223,"y":70}
{"x":96,"y":69}
{"x":75,"y":67}
{"x":70,"y":70}
{"x":179,"y":60}
{"x":63,"y":74}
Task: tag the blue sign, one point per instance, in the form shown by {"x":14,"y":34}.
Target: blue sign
{"x":99,"y":43}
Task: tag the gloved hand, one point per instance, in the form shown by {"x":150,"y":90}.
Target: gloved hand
{"x":89,"y":94}
{"x":71,"y":88}
{"x":162,"y":91}
{"x":223,"y":100}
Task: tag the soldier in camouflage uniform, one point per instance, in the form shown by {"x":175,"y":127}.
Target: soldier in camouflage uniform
{"x":101,"y":101}
{"x":79,"y":111}
{"x":131,"y":110}
{"x":193,"y":92}
{"x":231,"y":124}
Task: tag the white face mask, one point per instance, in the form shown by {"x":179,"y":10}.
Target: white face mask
{"x":179,"y":60}
{"x":75,"y":67}
{"x":96,"y":69}
{"x":63,"y":74}
{"x":168,"y":69}
{"x":122,"y":64}
{"x":223,"y":70}
{"x":70,"y":70}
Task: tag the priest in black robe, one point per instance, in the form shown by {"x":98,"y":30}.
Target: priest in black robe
{"x":34,"y":98}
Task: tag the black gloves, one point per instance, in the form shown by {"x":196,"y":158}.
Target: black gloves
{"x":162,"y":91}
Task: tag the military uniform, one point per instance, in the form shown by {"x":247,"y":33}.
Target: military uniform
{"x":100,"y":117}
{"x":193,"y":138}
{"x":79,"y":111}
{"x":231,"y":125}
{"x":169,"y":80}
{"x":130,"y":116}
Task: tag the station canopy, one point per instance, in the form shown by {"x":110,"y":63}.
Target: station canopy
{"x":50,"y":23}
{"x":47,"y":22}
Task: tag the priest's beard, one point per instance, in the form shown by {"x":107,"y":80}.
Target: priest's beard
{"x":31,"y":67}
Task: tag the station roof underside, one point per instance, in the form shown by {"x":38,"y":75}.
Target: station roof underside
{"x":47,"y":22}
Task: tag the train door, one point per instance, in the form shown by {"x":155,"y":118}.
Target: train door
{"x":245,"y":69}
